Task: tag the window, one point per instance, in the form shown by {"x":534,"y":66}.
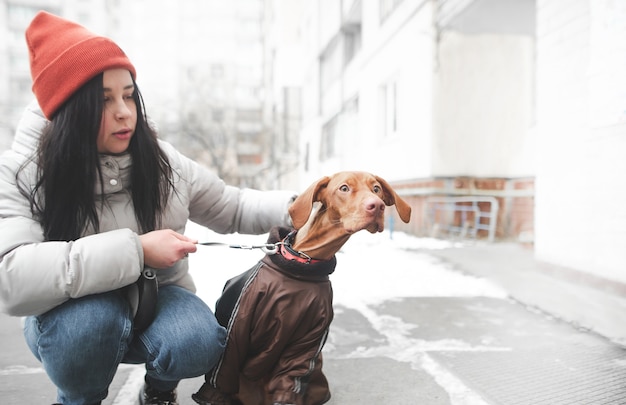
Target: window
{"x":328,"y":141}
{"x":349,"y":127}
{"x":352,"y":42}
{"x":387,"y":7}
{"x":330,"y":64}
{"x":306,"y":157}
{"x":389,"y":108}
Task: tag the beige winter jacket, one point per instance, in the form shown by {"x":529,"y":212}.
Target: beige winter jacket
{"x":36,"y":276}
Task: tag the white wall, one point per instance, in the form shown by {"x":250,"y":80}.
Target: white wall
{"x":484,"y":105}
{"x":581,"y":130}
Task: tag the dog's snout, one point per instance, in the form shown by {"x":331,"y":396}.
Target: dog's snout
{"x":374,"y":205}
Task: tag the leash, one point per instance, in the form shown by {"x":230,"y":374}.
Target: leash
{"x":283,"y":247}
{"x":267,"y":248}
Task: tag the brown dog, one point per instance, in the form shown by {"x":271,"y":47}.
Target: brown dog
{"x":277,"y":314}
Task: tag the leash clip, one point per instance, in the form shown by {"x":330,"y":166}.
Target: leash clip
{"x":267,"y":248}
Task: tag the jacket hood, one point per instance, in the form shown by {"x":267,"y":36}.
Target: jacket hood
{"x":29,"y":130}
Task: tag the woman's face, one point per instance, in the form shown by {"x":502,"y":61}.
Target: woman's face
{"x":119,"y":115}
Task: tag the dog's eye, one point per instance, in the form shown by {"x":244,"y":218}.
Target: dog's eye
{"x":344,"y":188}
{"x":377,"y":189}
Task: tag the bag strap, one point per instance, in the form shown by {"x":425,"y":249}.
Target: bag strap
{"x":148,"y":288}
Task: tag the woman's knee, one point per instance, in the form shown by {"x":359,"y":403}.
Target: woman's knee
{"x":185,"y":338}
{"x":81,"y":342}
{"x":202,"y":348}
{"x":104,"y":318}
{"x":212,"y":340}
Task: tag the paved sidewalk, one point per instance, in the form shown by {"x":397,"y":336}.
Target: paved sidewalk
{"x":541,"y":346}
{"x":559,"y":291}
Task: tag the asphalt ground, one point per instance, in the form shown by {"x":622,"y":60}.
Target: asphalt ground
{"x":551,"y":341}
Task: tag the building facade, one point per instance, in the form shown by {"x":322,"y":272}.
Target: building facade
{"x":433,"y":96}
{"x":475,"y":104}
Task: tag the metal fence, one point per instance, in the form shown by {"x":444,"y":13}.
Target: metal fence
{"x":463,"y":216}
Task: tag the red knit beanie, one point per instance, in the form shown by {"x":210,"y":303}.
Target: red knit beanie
{"x":64,"y":56}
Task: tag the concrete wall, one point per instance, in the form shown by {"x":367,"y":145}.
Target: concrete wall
{"x":581,"y":132}
{"x":483,"y":105}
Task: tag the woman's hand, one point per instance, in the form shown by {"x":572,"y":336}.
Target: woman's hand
{"x":163,"y":248}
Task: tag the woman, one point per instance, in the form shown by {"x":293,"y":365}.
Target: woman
{"x":89,"y":198}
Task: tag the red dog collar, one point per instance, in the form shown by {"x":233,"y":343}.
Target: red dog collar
{"x":289,"y":253}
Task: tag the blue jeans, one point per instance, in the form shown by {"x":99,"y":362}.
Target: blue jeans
{"x":81,"y":342}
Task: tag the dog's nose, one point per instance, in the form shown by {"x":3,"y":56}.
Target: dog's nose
{"x":374,"y":205}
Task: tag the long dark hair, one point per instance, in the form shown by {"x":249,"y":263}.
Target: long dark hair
{"x":68,"y":168}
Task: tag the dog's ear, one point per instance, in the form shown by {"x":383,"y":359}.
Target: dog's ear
{"x":390,"y":197}
{"x":300,"y":209}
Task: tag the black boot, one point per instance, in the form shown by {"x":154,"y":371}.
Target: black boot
{"x":150,"y":396}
